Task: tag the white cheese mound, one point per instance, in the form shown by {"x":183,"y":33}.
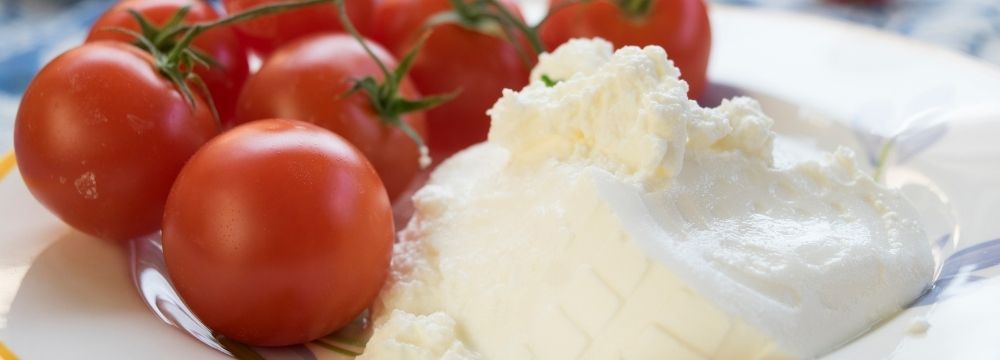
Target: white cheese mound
{"x":609,"y":216}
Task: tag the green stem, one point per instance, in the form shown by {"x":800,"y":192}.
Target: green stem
{"x":159,"y":35}
{"x":175,"y":53}
{"x":177,"y":60}
{"x":408,"y":130}
{"x":247,"y":15}
{"x":533,"y":39}
{"x":635,"y":9}
{"x":345,"y":21}
{"x":384,"y":95}
{"x":521,"y":52}
{"x":474,"y":14}
{"x":464,"y":12}
{"x":203,"y":88}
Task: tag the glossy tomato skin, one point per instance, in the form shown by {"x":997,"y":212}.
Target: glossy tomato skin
{"x":307,"y":80}
{"x":100,"y":137}
{"x":267,"y":33}
{"x":222,"y":44}
{"x":453,"y":58}
{"x":277,"y":232}
{"x":679,"y":26}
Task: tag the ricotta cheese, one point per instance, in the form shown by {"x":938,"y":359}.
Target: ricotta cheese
{"x":609,"y":216}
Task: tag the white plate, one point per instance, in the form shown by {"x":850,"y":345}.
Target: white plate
{"x":945,"y":109}
{"x":66,"y":295}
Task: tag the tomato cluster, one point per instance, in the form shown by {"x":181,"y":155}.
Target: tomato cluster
{"x":273,"y":188}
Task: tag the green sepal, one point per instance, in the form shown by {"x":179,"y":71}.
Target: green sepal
{"x":177,"y":64}
{"x":384,"y":96}
{"x":402,"y":106}
{"x":147,"y":29}
{"x":203,"y":59}
{"x":177,"y":18}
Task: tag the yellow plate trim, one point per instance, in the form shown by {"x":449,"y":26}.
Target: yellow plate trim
{"x":7,"y":163}
{"x":5,"y":353}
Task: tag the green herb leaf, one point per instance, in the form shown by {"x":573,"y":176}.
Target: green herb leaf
{"x":548,"y":80}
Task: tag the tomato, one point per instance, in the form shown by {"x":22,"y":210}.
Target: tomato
{"x":307,"y":79}
{"x":100,"y":136}
{"x":224,"y":81}
{"x":267,"y":33}
{"x":679,"y":26}
{"x":277,"y":232}
{"x":453,"y":58}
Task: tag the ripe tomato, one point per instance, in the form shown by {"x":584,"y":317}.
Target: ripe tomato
{"x":100,"y":136}
{"x":277,"y":232}
{"x":307,"y":79}
{"x":221,"y":43}
{"x":267,"y":33}
{"x":453,"y":58}
{"x":679,"y":26}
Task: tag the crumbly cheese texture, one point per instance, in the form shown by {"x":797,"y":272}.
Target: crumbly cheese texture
{"x":609,"y":216}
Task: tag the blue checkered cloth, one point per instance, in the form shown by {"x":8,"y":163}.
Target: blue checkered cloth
{"x":969,"y":26}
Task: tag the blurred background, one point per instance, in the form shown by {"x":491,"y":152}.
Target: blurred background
{"x":34,"y":31}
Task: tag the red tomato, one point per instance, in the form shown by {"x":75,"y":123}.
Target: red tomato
{"x":222,"y":44}
{"x":277,"y":232}
{"x":100,"y":136}
{"x":307,"y":79}
{"x":679,"y":26}
{"x":267,"y":33}
{"x":454,"y":57}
